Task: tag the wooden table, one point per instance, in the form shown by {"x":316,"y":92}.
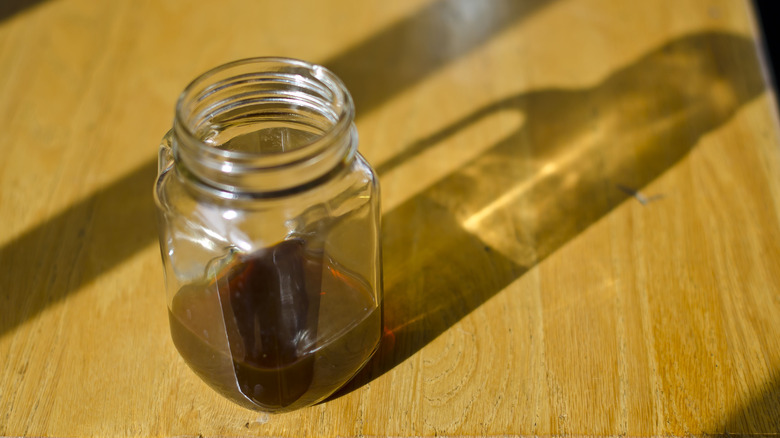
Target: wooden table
{"x":581,"y":204}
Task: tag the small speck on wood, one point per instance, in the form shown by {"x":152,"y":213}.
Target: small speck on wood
{"x":644,"y":200}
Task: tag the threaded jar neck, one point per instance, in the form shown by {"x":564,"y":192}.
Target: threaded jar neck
{"x":263,"y":127}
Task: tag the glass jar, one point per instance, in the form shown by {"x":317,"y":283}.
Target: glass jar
{"x":269,"y":232}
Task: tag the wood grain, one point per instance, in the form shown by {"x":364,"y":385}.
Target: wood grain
{"x":581,"y":208}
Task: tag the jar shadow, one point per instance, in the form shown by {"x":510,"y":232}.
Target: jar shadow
{"x":578,"y":155}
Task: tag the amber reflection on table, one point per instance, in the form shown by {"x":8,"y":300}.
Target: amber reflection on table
{"x":581,"y":203}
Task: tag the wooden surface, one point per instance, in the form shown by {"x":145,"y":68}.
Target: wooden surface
{"x":581,"y":208}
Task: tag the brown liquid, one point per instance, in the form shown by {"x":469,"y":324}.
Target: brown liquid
{"x":278,"y":329}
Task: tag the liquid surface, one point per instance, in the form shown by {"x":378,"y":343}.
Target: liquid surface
{"x":278,"y":329}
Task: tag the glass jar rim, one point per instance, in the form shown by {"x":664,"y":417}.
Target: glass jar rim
{"x":341,"y":98}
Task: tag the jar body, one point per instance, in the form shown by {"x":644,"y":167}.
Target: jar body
{"x":274,"y":296}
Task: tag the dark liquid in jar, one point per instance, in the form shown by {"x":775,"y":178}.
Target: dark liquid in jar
{"x":277,"y":329}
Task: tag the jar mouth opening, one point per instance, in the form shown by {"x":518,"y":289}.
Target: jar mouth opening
{"x":273,"y":111}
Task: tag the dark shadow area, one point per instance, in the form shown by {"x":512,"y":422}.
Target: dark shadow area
{"x":770,"y":33}
{"x":101,"y":231}
{"x":761,"y":415}
{"x":116,"y":222}
{"x":9,"y":8}
{"x":578,"y":155}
